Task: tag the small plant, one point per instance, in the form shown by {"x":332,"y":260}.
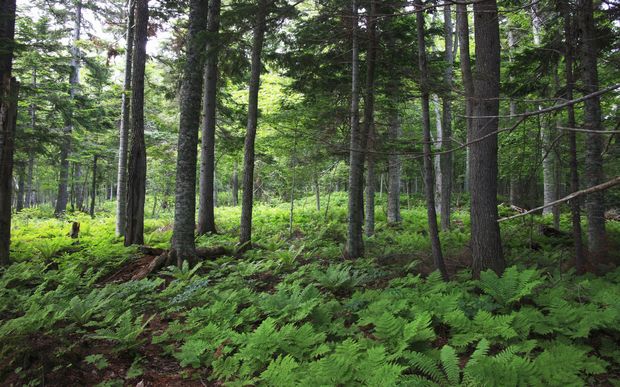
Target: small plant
{"x":183,"y":273}
{"x":339,"y":277}
{"x":126,"y":332}
{"x":98,"y":360}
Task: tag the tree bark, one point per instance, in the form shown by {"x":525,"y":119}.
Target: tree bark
{"x":21,"y":182}
{"x":206,"y":214}
{"x":29,"y":180}
{"x":183,"y":241}
{"x":428,"y":162}
{"x":136,"y":187}
{"x":485,"y":234}
{"x":355,"y":241}
{"x":235,"y":185}
{"x":93,"y":190}
{"x":394,"y":133}
{"x":9,"y":91}
{"x":250,"y":137}
{"x":594,"y":175}
{"x":572,"y":138}
{"x":446,"y":139}
{"x":65,"y":147}
{"x":369,"y":120}
{"x":121,"y":179}
{"x":462,"y":24}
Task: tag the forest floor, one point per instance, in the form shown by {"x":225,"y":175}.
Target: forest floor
{"x":293,"y":311}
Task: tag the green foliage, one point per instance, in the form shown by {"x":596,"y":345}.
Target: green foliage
{"x":512,"y":286}
{"x":265,"y":320}
{"x":125,"y":332}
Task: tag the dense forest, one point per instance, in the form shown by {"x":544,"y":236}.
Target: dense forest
{"x":298,"y":192}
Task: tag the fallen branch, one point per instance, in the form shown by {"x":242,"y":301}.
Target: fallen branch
{"x":601,"y":187}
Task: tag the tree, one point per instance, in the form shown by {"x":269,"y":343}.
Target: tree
{"x":183,"y":241}
{"x":355,"y":241}
{"x":9,"y":89}
{"x":136,"y":187}
{"x":206,"y":214}
{"x":250,"y":137}
{"x":121,"y":180}
{"x":74,"y":80}
{"x":429,"y":184}
{"x":369,"y":119}
{"x":572,"y":136}
{"x":445,"y":159}
{"x":485,"y":234}
{"x":462,"y":27}
{"x":594,"y":175}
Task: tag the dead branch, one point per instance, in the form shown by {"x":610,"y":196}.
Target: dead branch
{"x":601,"y":187}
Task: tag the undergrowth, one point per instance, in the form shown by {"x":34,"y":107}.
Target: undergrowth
{"x":294,"y":312}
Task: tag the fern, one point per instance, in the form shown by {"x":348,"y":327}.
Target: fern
{"x":512,"y":286}
{"x":450,"y":364}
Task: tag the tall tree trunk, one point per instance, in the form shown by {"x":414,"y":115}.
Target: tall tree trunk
{"x":462,"y":26}
{"x":121,"y":179}
{"x":79,"y":188}
{"x":183,"y":241}
{"x":206,"y":214}
{"x":394,"y":133}
{"x":317,"y":192}
{"x":93,"y":190}
{"x":546,"y":132}
{"x":29,"y":180}
{"x":355,"y":241}
{"x":572,"y":137}
{"x":136,"y":187}
{"x":21,"y":182}
{"x":446,"y":139}
{"x":428,"y":162}
{"x":250,"y":137}
{"x":369,"y":119}
{"x":9,"y":89}
{"x":436,"y":147}
{"x":65,"y":146}
{"x":235,"y":185}
{"x":595,"y":205}
{"x":485,"y":234}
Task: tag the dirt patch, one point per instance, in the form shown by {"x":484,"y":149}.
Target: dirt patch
{"x":129,"y":270}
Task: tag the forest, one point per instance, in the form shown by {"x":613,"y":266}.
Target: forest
{"x":309,"y":193}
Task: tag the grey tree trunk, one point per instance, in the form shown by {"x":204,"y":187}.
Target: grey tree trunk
{"x":183,"y":241}
{"x":355,"y":241}
{"x":93,"y":190}
{"x":572,"y":137}
{"x":235,"y":185}
{"x":369,"y":120}
{"x":31,"y":154}
{"x":29,"y":180}
{"x":436,"y":147}
{"x":428,"y":162}
{"x":136,"y":187}
{"x":446,"y":139}
{"x":394,"y":133}
{"x":594,"y":175}
{"x":65,"y":147}
{"x":462,"y":26}
{"x":121,"y":179}
{"x":250,"y":137}
{"x":9,"y":91}
{"x":485,"y":234}
{"x":317,"y":192}
{"x":206,"y":213}
{"x":21,"y":182}
{"x":546,"y":132}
